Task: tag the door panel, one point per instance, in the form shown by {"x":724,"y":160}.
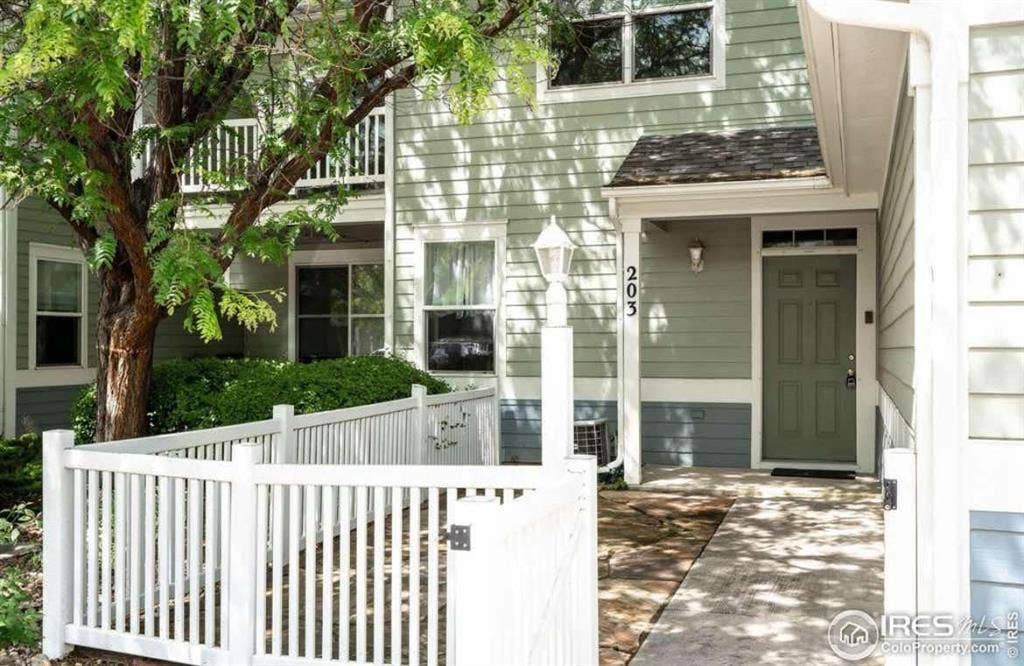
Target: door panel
{"x":809,"y":335}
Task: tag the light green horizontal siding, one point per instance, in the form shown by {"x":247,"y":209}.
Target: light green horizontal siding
{"x":696,"y":325}
{"x":995,"y":234}
{"x":521,"y":164}
{"x":896,"y":268}
{"x":38,"y":223}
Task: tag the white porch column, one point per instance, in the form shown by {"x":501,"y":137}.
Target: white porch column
{"x":629,"y":428}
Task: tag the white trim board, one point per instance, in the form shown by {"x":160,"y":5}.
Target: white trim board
{"x":740,"y":198}
{"x":361,"y":208}
{"x":867,"y":386}
{"x":53,"y":377}
{"x":725,"y":391}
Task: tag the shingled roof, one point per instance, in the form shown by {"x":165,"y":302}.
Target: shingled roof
{"x":713,"y":157}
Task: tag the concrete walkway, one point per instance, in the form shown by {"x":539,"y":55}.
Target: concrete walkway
{"x":790,"y":554}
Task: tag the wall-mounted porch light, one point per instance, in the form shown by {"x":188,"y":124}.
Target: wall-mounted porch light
{"x":696,"y":249}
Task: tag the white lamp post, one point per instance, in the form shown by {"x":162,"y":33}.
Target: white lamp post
{"x":554,"y":255}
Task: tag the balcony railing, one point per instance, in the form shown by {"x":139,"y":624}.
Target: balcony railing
{"x":225,"y":155}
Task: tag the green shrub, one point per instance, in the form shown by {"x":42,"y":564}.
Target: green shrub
{"x":19,"y":621}
{"x":21,"y":468}
{"x":204,"y":393}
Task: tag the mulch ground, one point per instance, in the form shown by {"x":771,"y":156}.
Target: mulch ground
{"x":646,"y":544}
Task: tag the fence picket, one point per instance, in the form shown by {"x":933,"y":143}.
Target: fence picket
{"x":396,"y":575}
{"x":106,"y":516}
{"x":178,"y":537}
{"x":293,"y":569}
{"x":78,"y":582}
{"x":327,"y":573}
{"x":379,"y":556}
{"x":277,"y":574}
{"x":360,"y":580}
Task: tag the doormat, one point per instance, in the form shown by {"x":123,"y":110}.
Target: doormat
{"x":814,"y":473}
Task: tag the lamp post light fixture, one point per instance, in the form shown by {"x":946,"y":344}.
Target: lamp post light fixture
{"x":554,"y":255}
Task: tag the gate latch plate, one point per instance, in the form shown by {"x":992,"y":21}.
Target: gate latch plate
{"x":888,"y":494}
{"x":458,"y":537}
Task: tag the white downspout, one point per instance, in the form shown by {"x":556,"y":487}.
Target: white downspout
{"x":937,"y":75}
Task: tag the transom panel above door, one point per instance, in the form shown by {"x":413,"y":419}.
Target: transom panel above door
{"x":810,"y":403}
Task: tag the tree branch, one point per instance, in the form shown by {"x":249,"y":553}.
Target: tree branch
{"x":277,"y":178}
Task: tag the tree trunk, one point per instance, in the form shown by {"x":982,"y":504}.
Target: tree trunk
{"x":126,"y":331}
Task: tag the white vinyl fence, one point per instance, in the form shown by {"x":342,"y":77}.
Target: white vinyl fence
{"x":317,"y":538}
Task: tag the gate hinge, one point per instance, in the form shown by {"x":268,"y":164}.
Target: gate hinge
{"x":888,"y":494}
{"x":458,"y":537}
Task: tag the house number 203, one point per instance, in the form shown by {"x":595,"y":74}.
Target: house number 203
{"x":632,"y":288}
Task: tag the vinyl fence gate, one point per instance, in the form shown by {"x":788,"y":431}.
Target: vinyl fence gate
{"x":384,"y":534}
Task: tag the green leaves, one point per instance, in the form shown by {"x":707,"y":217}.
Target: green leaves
{"x":103,"y":251}
{"x":81,"y":82}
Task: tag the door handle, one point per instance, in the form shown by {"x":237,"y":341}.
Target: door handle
{"x":851,"y":378}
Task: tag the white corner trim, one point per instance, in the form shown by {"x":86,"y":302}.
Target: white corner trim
{"x":46,"y":252}
{"x":629,"y":88}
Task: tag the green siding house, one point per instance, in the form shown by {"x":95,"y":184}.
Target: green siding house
{"x":800,"y":243}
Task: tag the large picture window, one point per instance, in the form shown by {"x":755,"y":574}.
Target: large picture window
{"x":460,"y":306}
{"x":339,"y":310}
{"x":633,"y":41}
{"x":57,"y":286}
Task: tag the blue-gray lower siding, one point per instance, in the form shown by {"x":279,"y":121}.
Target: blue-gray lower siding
{"x":672,"y":433}
{"x":997,"y":580}
{"x":44,"y":408}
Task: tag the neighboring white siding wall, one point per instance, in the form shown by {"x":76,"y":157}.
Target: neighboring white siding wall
{"x":896,"y":268}
{"x":696,"y":325}
{"x":995,"y":234}
{"x":523,"y":165}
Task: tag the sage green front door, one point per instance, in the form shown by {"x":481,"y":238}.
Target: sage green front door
{"x":810,"y":406}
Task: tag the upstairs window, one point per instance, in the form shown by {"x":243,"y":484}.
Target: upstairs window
{"x":633,"y":41}
{"x":57,"y":294}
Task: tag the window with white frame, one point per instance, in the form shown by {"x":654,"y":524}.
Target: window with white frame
{"x":460,"y":305}
{"x":635,"y":41}
{"x":57,"y":299}
{"x":339,"y":310}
